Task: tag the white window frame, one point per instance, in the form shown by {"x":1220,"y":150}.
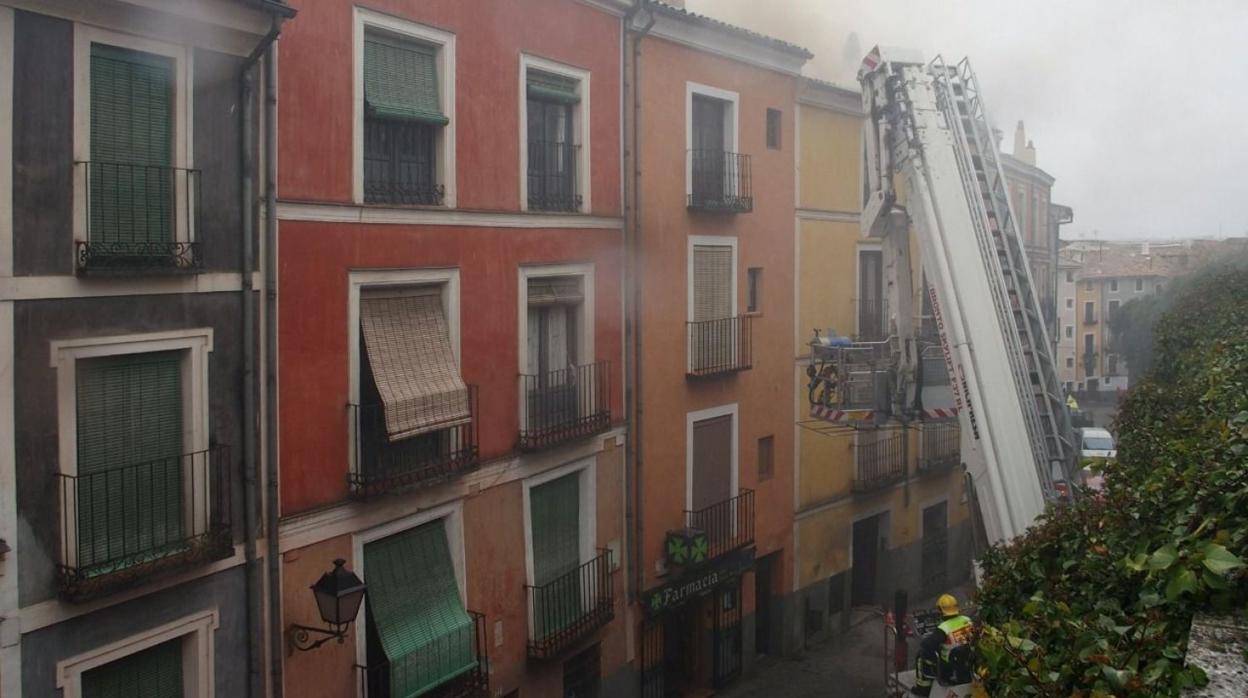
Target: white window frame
{"x":444,"y":42}
{"x":581,"y":130}
{"x":587,"y":526}
{"x":196,"y":633}
{"x":452,"y":515}
{"x":195,"y":344}
{"x":732,"y":123}
{"x":447,"y":278}
{"x":705,"y":241}
{"x":183,"y":116}
{"x":584,"y":320}
{"x":692,"y":418}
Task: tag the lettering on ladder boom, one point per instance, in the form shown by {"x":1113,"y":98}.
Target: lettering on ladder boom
{"x":959,"y":386}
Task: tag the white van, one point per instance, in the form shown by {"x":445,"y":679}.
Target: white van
{"x":1095,"y":443}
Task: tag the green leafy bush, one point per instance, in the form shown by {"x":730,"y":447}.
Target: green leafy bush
{"x":1096,"y":599}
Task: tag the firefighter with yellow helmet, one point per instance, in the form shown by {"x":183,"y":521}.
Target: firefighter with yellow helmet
{"x":945,"y":653}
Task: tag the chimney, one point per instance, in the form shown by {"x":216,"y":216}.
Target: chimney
{"x":1020,"y":140}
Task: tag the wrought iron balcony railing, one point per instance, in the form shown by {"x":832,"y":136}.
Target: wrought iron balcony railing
{"x":400,"y":163}
{"x":729,"y":525}
{"x":871,"y":320}
{"x":552,"y":176}
{"x":128,"y":524}
{"x":879,"y":464}
{"x":382,"y":465}
{"x":942,"y":446}
{"x":140,"y":219}
{"x":720,"y":181}
{"x":565,"y":405}
{"x":463,"y":652}
{"x":720,"y":346}
{"x":570,"y":607}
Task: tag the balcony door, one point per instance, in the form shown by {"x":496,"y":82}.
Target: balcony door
{"x":870,"y":295}
{"x":707,"y":122}
{"x":711,"y":479}
{"x":551,"y":391}
{"x":714,"y":331}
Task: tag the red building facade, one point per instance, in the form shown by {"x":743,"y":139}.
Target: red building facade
{"x":450,"y":332}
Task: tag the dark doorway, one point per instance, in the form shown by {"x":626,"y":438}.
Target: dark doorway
{"x":726,"y":664}
{"x":682,"y":652}
{"x":762,"y":604}
{"x":935,"y":560}
{"x":866,"y":557}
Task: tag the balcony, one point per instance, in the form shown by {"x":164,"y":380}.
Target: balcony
{"x":871,"y":320}
{"x":126,"y":525}
{"x":942,"y":447}
{"x":565,"y":405}
{"x":879,"y":464}
{"x":400,"y":163}
{"x":552,"y":176}
{"x":383,"y":466}
{"x":719,"y":346}
{"x":720,"y":182}
{"x":427,"y":667}
{"x":570,"y":607}
{"x":726,"y":525}
{"x":139,"y":219}
{"x":1089,"y":319}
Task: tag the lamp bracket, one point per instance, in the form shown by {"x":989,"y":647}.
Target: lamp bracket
{"x":301,"y":636}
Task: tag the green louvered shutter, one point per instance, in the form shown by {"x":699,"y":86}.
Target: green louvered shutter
{"x":130,"y":468}
{"x":131,"y":192}
{"x":414,"y":602}
{"x":555,"y":514}
{"x":401,"y":80}
{"x":552,"y":88}
{"x":155,"y":672}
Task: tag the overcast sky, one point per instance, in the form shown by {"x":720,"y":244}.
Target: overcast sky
{"x":1139,"y":108}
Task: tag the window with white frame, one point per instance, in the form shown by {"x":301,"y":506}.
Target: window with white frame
{"x":404,"y":112}
{"x":555,"y":122}
{"x":134,"y":188}
{"x":714,"y":328}
{"x":717,"y":175}
{"x":561,"y":532}
{"x":140,"y":480}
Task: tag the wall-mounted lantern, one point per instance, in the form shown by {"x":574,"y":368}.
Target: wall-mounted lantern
{"x":339,"y":594}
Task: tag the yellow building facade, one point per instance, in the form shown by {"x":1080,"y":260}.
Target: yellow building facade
{"x":875,"y":511}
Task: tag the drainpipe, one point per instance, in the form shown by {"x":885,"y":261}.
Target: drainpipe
{"x":251,"y":493}
{"x":632,"y":316}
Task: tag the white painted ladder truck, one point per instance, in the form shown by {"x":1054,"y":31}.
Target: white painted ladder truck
{"x":926,"y":135}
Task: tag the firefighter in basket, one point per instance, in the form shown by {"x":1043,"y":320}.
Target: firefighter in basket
{"x":945,"y":653}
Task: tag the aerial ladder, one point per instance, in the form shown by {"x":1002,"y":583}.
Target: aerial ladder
{"x":932,"y":171}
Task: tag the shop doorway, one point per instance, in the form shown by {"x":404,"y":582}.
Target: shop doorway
{"x":726,"y":634}
{"x":763,"y":571}
{"x":865,"y":562}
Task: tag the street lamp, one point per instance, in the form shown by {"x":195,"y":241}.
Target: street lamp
{"x":339,"y":594}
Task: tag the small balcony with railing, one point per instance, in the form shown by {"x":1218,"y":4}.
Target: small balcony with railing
{"x":879,"y":462}
{"x":126,"y":525}
{"x":720,"y":346}
{"x":383,"y":465}
{"x":140,"y":219}
{"x":941,"y":446}
{"x":712,"y":532}
{"x":720,"y":182}
{"x":455,"y":665}
{"x":552,"y":174}
{"x":570,"y":607}
{"x":564,"y":405}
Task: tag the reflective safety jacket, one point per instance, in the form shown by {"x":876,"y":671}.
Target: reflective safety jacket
{"x":956,"y":631}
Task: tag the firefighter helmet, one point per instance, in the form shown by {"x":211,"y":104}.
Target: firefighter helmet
{"x":948,"y":605}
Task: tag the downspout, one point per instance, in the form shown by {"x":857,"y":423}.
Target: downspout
{"x":251,"y":498}
{"x":632,"y":318}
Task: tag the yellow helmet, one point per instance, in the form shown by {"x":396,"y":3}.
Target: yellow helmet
{"x":948,"y":605}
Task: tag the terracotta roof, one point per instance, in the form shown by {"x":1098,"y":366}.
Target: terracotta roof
{"x":779,"y":44}
{"x":1165,"y":260}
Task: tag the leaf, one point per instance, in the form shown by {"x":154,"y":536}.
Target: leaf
{"x":1219,"y":560}
{"x":1180,"y":582}
{"x":1117,"y":678}
{"x":1163,"y":557}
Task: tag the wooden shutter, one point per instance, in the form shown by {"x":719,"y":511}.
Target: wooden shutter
{"x":712,"y":282}
{"x":416,"y":609}
{"x":155,"y":672}
{"x":552,"y":88}
{"x":401,"y":80}
{"x":555,"y":290}
{"x":712,"y":461}
{"x":131,"y":185}
{"x":130,"y":453}
{"x":409,"y":350}
{"x":554,"y":511}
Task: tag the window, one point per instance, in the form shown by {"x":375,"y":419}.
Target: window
{"x":1111,"y":367}
{"x":870,"y":294}
{"x":754,"y":289}
{"x":1070,"y":302}
{"x":1113,"y":310}
{"x":554,"y":515}
{"x":766,"y":457}
{"x":1070,"y":277}
{"x":418,"y":634}
{"x":1070,"y":362}
{"x":1139,"y":285}
{"x":551,"y":376}
{"x":552,"y":103}
{"x":1070,"y":331}
{"x":773,"y":129}
{"x":709,"y":154}
{"x":1089,"y":312}
{"x":412,"y":414}
{"x":716,"y":177}
{"x":712,"y":455}
{"x":155,"y":672}
{"x":1113,"y":285}
{"x":714,"y":329}
{"x":404,"y":112}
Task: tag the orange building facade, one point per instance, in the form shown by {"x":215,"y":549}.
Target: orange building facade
{"x":712,"y":431}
